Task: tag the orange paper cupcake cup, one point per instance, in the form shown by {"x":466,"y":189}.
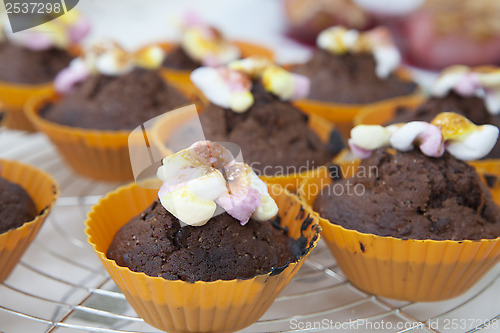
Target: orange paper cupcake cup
{"x":179,"y":306}
{"x":14,"y":96}
{"x":411,"y":270}
{"x":164,"y":128}
{"x":181,"y":77}
{"x":44,"y":192}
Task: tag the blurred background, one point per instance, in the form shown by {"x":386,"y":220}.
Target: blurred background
{"x":431,"y":34}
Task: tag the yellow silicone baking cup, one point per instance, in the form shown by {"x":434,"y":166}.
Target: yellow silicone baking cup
{"x":179,"y":306}
{"x":343,"y":115}
{"x":181,"y":77}
{"x":411,"y":270}
{"x":44,"y":192}
{"x":168,"y":123}
{"x":100,"y":155}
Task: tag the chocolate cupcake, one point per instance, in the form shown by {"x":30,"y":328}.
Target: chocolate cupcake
{"x":471,"y":92}
{"x":414,"y":217}
{"x":433,"y":198}
{"x":29,"y":62}
{"x":27,"y":196}
{"x":213,"y":229}
{"x":113,"y":103}
{"x":249,"y":106}
{"x":103,"y":96}
{"x":16,"y":206}
{"x":352,"y":69}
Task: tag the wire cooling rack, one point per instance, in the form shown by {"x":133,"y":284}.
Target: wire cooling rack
{"x":60,"y":285}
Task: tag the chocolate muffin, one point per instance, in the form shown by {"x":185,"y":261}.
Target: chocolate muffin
{"x":20,"y":65}
{"x":472,"y":108}
{"x":272,"y":134}
{"x":115,"y":103}
{"x":16,"y":206}
{"x":412,"y":196}
{"x":155,"y":243}
{"x":178,"y":59}
{"x":350,"y":79}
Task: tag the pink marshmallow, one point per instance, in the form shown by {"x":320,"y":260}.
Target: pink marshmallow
{"x":37,"y":41}
{"x":67,"y":79}
{"x":358,"y":151}
{"x":468,"y":85}
{"x":432,"y":142}
{"x":240,"y":204}
{"x":236,"y":81}
{"x":302,"y":86}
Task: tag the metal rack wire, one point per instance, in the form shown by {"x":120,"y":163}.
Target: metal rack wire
{"x":60,"y":286}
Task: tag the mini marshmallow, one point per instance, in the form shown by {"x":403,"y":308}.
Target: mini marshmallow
{"x":253,"y":66}
{"x":224,"y":87}
{"x":387,"y":59}
{"x":193,"y":201}
{"x":476,"y":145}
{"x":206,"y":45}
{"x":490,"y":79}
{"x":448,"y":79}
{"x":492,"y":100}
{"x":67,"y":79}
{"x":193,"y":185}
{"x":114,"y":63}
{"x":338,"y":40}
{"x":279,"y":82}
{"x":453,"y":125}
{"x":429,"y":135}
{"x":448,"y":130}
{"x":284,"y":84}
{"x":149,"y":57}
{"x":358,"y":151}
{"x":370,"y":137}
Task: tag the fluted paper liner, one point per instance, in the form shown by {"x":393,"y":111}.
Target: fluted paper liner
{"x":179,"y":306}
{"x":343,"y":115}
{"x":411,"y":270}
{"x":44,"y":192}
{"x":164,"y":127}
{"x":383,"y":113}
{"x":97,"y":154}
{"x":181,"y":77}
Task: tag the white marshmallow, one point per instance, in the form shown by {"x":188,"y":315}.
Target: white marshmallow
{"x":370,"y":137}
{"x":476,"y":145}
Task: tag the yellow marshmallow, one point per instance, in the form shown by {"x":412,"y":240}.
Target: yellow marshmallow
{"x":453,"y":125}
